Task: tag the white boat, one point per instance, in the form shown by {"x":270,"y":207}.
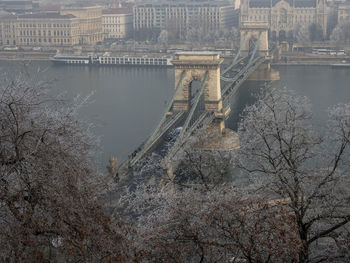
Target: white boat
{"x":107,"y":59}
{"x":134,"y":61}
{"x":71,"y":59}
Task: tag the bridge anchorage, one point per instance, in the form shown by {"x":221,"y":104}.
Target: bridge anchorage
{"x":209,"y":106}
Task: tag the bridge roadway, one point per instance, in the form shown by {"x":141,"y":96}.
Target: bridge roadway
{"x":231,"y":79}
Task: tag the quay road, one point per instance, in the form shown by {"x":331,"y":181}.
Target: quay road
{"x":26,"y":55}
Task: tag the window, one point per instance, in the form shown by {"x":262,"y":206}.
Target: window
{"x":283,"y":13}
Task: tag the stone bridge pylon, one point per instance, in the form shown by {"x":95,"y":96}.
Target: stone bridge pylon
{"x":254,"y":33}
{"x":197,"y":66}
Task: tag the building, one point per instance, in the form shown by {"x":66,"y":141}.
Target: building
{"x":71,"y":26}
{"x":42,"y":29}
{"x":209,"y":15}
{"x":19,"y":6}
{"x":285,"y":16}
{"x":90,"y":22}
{"x":3,"y":13}
{"x":117,"y":22}
{"x":344,"y":12}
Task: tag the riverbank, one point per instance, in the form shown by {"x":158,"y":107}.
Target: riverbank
{"x":309,"y":59}
{"x":27,"y":55}
{"x":285,"y":59}
{"x":48,"y":55}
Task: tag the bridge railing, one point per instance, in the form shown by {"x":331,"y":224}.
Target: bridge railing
{"x":236,"y":60}
{"x":238,"y":80}
{"x":255,"y":49}
{"x":163,"y":125}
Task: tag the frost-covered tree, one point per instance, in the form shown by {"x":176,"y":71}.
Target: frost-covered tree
{"x":206,"y":169}
{"x":48,"y":186}
{"x":163,"y":39}
{"x":302,"y":34}
{"x":284,"y":155}
{"x":221,"y":225}
{"x":295,"y":207}
{"x":315,"y":32}
{"x":341,"y":33}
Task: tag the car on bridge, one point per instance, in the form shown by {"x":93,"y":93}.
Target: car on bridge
{"x":172,"y":136}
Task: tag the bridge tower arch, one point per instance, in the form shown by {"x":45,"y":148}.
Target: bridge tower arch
{"x":254,"y":31}
{"x":200,"y":66}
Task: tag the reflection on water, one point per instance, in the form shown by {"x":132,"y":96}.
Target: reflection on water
{"x":324,"y":86}
{"x":128,"y":102}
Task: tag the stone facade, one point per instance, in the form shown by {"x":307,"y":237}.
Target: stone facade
{"x":43,"y":29}
{"x":344,"y":13}
{"x":253,"y":31}
{"x":72,"y":26}
{"x":117,"y":22}
{"x":284,"y":17}
{"x":193,"y":66}
{"x":90,"y":22}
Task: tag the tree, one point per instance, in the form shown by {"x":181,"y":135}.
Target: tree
{"x":48,"y":190}
{"x":302,"y":34}
{"x":284,"y":156}
{"x":202,"y":216}
{"x":147,"y":34}
{"x":316,"y":33}
{"x":163,"y":39}
{"x":221,"y":225}
{"x":293,"y":207}
{"x":205,"y":168}
{"x":341,"y":33}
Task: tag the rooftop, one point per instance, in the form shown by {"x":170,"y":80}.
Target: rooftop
{"x":50,"y":8}
{"x":268,"y":3}
{"x":45,"y":15}
{"x":117,"y":11}
{"x":196,"y":53}
{"x":179,"y":4}
{"x":80,"y":5}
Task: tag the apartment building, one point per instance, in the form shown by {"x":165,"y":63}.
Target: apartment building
{"x":210,"y":15}
{"x":344,"y":13}
{"x":117,"y":22}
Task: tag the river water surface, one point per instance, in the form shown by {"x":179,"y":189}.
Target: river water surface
{"x":128,"y":102}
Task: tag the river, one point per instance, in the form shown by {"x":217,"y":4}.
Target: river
{"x":127,"y":102}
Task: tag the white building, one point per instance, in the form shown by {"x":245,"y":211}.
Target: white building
{"x":117,"y":22}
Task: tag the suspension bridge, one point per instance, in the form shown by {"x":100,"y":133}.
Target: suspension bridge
{"x":210,"y":104}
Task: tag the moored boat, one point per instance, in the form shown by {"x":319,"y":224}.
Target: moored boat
{"x":107,"y":59}
{"x":135,"y":60}
{"x":71,"y":59}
